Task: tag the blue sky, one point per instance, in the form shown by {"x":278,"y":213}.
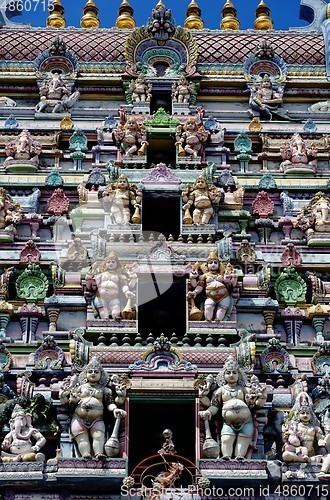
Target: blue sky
{"x":285,"y":13}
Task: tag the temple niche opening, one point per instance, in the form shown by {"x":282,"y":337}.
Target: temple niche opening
{"x":164,"y":255}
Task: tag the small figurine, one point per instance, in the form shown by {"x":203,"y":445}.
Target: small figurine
{"x":263,"y":99}
{"x":191,"y":138}
{"x":235,"y":398}
{"x":297,"y":153}
{"x":17,"y":445}
{"x":10,"y":215}
{"x":300,"y":432}
{"x":122,"y":196}
{"x":141,"y":90}
{"x":131,"y":138}
{"x":105,"y":281}
{"x":201,"y":198}
{"x":217,"y":281}
{"x":168,"y":447}
{"x":182,"y":90}
{"x":89,"y":395}
{"x":56,"y":96}
{"x":23,"y":147}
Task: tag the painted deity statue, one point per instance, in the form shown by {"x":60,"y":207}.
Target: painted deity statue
{"x":10,"y":214}
{"x":90,"y":397}
{"x":236,"y":399}
{"x":106,"y":281}
{"x":17,"y":445}
{"x":264,"y":100}
{"x":122,"y":196}
{"x":182,"y":90}
{"x":130,"y":138}
{"x":296,"y":152}
{"x":200,"y":198}
{"x":23,"y":147}
{"x":141,"y":90}
{"x":191,"y":138}
{"x":316,"y":216}
{"x":300,"y":433}
{"x":217,"y":281}
{"x":56,"y":95}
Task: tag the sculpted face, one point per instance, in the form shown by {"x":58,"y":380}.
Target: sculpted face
{"x":122,"y":183}
{"x":191,"y":126}
{"x":305,"y":416}
{"x":131,"y":124}
{"x":200,"y":184}
{"x":111,"y":264}
{"x":213,"y":265}
{"x":93,"y":375}
{"x":231,"y":376}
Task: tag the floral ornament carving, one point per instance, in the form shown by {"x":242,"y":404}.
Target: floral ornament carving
{"x":32,"y":284}
{"x":49,"y":356}
{"x":290,"y":288}
{"x":291,"y":256}
{"x":58,"y":203}
{"x":321,"y":359}
{"x":274,"y":359}
{"x":30,"y":252}
{"x":263,"y":205}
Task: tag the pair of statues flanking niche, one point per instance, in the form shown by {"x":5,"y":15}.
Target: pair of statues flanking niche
{"x":112,"y":289}
{"x":91,"y":395}
{"x":215,"y":282}
{"x":234,"y":400}
{"x":56,"y":95}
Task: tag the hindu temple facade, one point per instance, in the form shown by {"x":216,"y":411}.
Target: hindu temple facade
{"x":164,"y":256}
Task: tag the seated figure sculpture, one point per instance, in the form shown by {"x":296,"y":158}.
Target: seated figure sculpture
{"x":17,"y":445}
{"x":106,"y":280}
{"x":298,"y":156}
{"x":24,"y":149}
{"x":122,"y":196}
{"x":10,"y":215}
{"x":56,"y":95}
{"x":235,"y":398}
{"x":201,"y":198}
{"x":130,"y":138}
{"x":263,"y":99}
{"x":89,"y":396}
{"x":301,"y":431}
{"x":191,"y":138}
{"x":217,"y":281}
{"x":316,"y":216}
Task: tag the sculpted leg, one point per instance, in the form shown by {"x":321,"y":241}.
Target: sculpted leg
{"x":197,"y":215}
{"x":227,"y":445}
{"x":209,"y":307}
{"x":207,"y":214}
{"x":242,"y":446}
{"x":83,"y":444}
{"x":98,"y":443}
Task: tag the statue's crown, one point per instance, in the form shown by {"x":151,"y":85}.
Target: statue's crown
{"x":94,"y":364}
{"x":231,"y":364}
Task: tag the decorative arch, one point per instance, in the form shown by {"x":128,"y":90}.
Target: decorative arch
{"x":142,"y":50}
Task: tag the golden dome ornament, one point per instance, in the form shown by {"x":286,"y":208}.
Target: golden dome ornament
{"x":66,"y":123}
{"x":229,"y":20}
{"x":90,"y":18}
{"x":125,"y":19}
{"x":263,"y":20}
{"x":56,"y":15}
{"x":193,"y":20}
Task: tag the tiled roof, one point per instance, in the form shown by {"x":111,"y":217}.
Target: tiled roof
{"x":214,"y":47}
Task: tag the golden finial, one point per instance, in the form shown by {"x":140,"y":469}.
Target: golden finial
{"x":263,"y":20}
{"x":125,"y":19}
{"x":56,"y":15}
{"x":193,"y":20}
{"x":90,"y":19}
{"x":229,"y":20}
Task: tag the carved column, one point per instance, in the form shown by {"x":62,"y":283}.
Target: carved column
{"x":53,"y":314}
{"x":269,"y":317}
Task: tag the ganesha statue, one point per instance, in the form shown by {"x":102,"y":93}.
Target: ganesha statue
{"x":23,"y":153}
{"x":298,"y":156}
{"x":315,"y":216}
{"x":23,"y":442}
{"x":56,"y":96}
